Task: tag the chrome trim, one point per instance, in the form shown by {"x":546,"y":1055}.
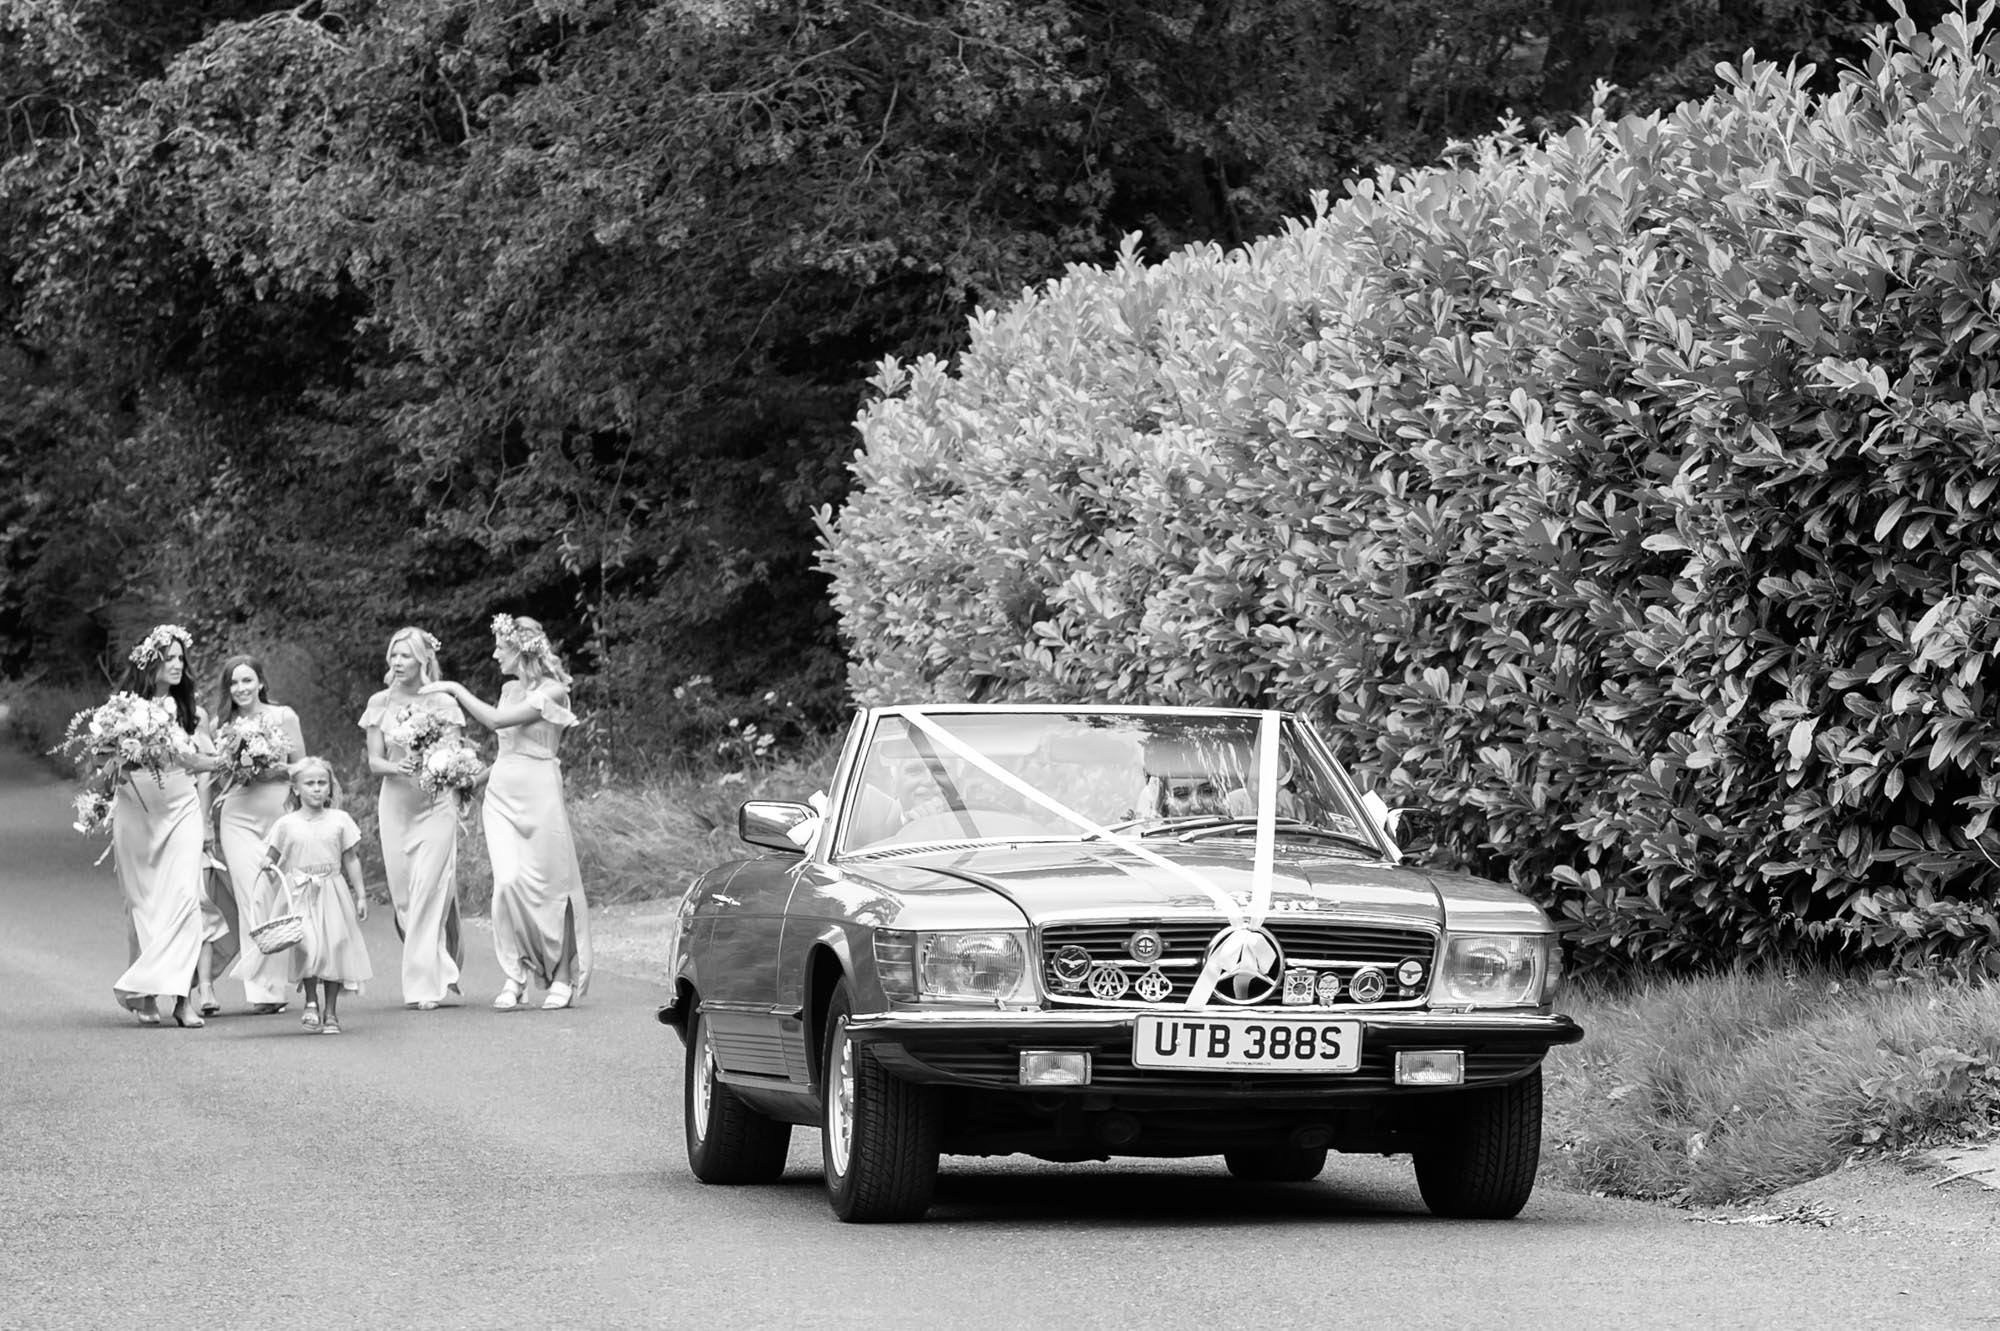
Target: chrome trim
{"x":1270,"y":1006}
{"x":779,"y":1010}
{"x":1206,"y":914}
{"x":1470,"y":1023}
{"x":1190,"y":915}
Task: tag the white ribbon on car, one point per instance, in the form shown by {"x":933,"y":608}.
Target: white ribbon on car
{"x":1238,"y":946}
{"x":802,"y":835}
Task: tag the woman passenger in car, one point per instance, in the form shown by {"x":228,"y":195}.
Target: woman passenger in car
{"x":1190,"y":795}
{"x":1242,"y":801}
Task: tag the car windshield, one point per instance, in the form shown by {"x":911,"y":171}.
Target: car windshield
{"x":959,"y":776}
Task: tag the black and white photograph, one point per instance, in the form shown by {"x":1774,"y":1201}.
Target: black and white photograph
{"x":972,"y":665}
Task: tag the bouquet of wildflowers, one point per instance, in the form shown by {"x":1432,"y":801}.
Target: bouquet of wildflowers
{"x":93,"y":808}
{"x":250,"y":747}
{"x":415,"y":729}
{"x":452,"y":766}
{"x":127,"y":730}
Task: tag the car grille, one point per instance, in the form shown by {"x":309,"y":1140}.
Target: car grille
{"x":1341,"y":948}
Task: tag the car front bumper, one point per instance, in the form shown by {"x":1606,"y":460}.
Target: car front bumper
{"x":982,"y":1049}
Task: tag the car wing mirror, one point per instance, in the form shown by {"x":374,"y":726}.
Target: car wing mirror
{"x":1403,"y":824}
{"x":772,"y":823}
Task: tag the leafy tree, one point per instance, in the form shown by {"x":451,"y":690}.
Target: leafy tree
{"x":567,"y":307}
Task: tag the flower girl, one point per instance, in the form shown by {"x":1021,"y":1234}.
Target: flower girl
{"x":312,"y":852}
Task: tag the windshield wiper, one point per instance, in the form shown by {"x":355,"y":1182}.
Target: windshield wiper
{"x":1285,"y":826}
{"x":1158,"y":824}
{"x":1126,"y":825}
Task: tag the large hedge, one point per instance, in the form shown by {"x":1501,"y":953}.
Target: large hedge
{"x":1631,"y":494}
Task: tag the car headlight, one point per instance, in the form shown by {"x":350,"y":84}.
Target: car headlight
{"x":1499,"y":970}
{"x":986,"y":966}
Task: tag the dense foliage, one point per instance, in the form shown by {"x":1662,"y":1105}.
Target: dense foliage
{"x":1634,"y":495}
{"x":320,"y":318}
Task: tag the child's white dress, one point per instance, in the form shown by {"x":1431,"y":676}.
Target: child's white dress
{"x":310,"y":848}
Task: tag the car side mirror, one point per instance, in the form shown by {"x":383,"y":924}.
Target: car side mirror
{"x":1414,"y":829}
{"x":771,"y":824}
{"x":1409,"y":827}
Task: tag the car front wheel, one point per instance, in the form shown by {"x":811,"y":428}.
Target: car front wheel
{"x":1480,"y":1162}
{"x":727,"y":1140}
{"x":879,"y":1134}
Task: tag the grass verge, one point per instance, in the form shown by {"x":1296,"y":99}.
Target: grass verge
{"x":648,"y":841}
{"x":1722,"y":1087}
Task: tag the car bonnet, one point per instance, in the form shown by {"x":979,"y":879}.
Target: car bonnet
{"x":1072,"y":881}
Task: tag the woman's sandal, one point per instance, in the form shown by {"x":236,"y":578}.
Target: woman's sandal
{"x":560,"y":995}
{"x":509,"y":999}
{"x":186,"y":1017}
{"x":148,"y":1013}
{"x":310,"y":1018}
{"x":331,"y":1026}
{"x":210,"y":1004}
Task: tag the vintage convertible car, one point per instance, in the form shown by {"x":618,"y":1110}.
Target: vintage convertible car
{"x":1080,"y":932}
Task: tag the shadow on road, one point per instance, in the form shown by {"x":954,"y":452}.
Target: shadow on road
{"x":1060,"y":1197}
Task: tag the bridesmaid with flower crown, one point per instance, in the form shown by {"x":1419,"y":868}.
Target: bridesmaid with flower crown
{"x":541,"y":925}
{"x":419,"y":829}
{"x":157,"y":842}
{"x":244,"y":816}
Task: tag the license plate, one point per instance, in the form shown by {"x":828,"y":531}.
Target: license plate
{"x":1246,"y":1044}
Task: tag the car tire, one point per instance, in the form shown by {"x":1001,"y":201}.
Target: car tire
{"x":727,"y":1140}
{"x":879,"y":1134}
{"x":1277,"y":1164}
{"x":1486,"y":1144}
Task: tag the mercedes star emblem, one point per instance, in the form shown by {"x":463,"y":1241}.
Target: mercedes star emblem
{"x":1247,"y":964}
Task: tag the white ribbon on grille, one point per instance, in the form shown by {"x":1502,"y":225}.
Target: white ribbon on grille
{"x":1238,"y":944}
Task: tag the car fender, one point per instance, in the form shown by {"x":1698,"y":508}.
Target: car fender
{"x":681,"y":969}
{"x":1480,"y":905}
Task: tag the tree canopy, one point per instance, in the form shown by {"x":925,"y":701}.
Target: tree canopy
{"x":322,"y":318}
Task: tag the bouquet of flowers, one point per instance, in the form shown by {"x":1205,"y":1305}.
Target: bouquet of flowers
{"x":452,"y":766}
{"x":250,"y":747}
{"x":93,"y":808}
{"x":127,"y":730}
{"x":415,"y":729}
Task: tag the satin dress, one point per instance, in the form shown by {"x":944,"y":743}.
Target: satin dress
{"x":244,"y":817}
{"x":156,"y":849}
{"x":309,"y":848}
{"x":420,"y":859}
{"x":541,"y":926}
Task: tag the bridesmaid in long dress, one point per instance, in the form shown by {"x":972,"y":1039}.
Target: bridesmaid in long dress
{"x":244,"y":818}
{"x":157,"y":843}
{"x":541,"y":926}
{"x":419,"y":830}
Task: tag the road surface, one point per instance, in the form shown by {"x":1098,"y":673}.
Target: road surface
{"x":466,"y":1168}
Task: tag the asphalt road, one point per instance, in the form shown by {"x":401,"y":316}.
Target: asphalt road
{"x":466,"y":1168}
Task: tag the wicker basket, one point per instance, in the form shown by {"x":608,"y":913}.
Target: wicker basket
{"x":279,"y":932}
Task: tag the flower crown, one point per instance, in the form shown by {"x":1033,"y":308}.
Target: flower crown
{"x":427,"y":638}
{"x":509,"y":632}
{"x":153,"y":649}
